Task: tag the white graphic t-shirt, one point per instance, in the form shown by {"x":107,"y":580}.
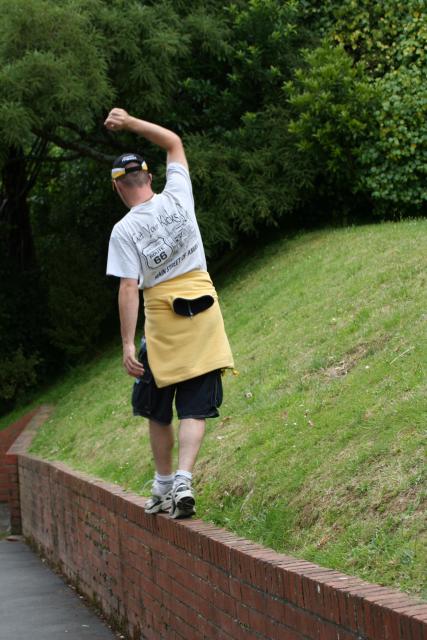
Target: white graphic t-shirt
{"x":159,"y":239}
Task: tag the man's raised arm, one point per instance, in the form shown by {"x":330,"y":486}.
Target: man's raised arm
{"x":119,"y":120}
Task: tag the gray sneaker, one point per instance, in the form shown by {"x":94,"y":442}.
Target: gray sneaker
{"x":182,"y":500}
{"x":159,"y":502}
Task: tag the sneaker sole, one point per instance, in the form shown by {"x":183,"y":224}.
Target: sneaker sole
{"x":163,"y":507}
{"x":184,"y":508}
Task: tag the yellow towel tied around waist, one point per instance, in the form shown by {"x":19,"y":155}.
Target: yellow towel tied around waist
{"x":183,"y":347}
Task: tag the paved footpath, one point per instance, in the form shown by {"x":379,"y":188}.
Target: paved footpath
{"x":36,"y":604}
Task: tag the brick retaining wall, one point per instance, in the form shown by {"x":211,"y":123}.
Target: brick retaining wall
{"x":9,"y":469}
{"x":7,"y":438}
{"x":157,"y":578}
{"x":25,"y":428}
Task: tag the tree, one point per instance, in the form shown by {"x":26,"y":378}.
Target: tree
{"x":61,"y":67}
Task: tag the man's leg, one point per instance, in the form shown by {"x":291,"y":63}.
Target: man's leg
{"x":196,"y":400}
{"x":191,"y":432}
{"x":162,"y":441}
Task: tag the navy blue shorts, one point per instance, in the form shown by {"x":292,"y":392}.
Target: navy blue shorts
{"x":195,"y":398}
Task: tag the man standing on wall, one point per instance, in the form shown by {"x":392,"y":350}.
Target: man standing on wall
{"x":157,"y":247}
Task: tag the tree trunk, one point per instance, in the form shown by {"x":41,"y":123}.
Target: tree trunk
{"x":16,"y":232}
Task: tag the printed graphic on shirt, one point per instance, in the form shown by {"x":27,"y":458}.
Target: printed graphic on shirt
{"x":176,"y":262}
{"x":156,"y":253}
{"x":165,"y":238}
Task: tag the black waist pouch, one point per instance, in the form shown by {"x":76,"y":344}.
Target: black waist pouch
{"x":192,"y":306}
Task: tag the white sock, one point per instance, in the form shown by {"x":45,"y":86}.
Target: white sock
{"x":163,"y":484}
{"x":181,"y":473}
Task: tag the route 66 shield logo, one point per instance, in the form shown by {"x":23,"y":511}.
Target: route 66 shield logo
{"x":156,"y":253}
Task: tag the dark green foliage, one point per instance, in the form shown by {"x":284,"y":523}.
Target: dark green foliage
{"x":293,"y":113}
{"x":146,"y":45}
{"x":17,"y":375}
{"x":385,"y":35}
{"x":53,"y":76}
{"x":53,"y":67}
{"x":23,"y":318}
{"x":250,"y":180}
{"x":391,"y":39}
{"x":72,"y":221}
{"x":243,"y":166}
{"x":266,"y":39}
{"x":394,"y":155}
{"x":332,"y":105}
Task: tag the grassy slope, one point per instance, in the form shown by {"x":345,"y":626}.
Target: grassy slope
{"x":320,"y":450}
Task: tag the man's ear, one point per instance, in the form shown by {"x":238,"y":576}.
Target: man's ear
{"x":119,"y":191}
{"x":150,"y":176}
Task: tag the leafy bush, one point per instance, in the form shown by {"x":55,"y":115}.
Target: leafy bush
{"x":385,"y":35}
{"x":332,"y":104}
{"x":18,"y":373}
{"x":390,"y":38}
{"x":394,"y":156}
{"x":247,"y":181}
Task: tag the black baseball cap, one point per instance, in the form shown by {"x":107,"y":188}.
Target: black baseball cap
{"x":120,"y":167}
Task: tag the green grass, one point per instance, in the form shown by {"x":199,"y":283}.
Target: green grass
{"x":320,"y":450}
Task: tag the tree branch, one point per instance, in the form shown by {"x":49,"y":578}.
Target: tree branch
{"x":68,"y":158}
{"x":80,"y":148}
{"x":106,"y":138}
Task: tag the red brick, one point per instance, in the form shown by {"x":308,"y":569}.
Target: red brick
{"x":332,"y":632}
{"x":185,"y":630}
{"x":265,"y":627}
{"x":203,"y":607}
{"x":413,"y":609}
{"x":176,"y":607}
{"x":150,"y":588}
{"x":283,"y":612}
{"x":183,"y":576}
{"x":293,"y":586}
{"x":218,"y":577}
{"x":253,"y":598}
{"x":224,"y":602}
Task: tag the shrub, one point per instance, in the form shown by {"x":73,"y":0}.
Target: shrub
{"x":387,"y":155}
{"x":385,"y":35}
{"x":18,"y":373}
{"x":332,"y":103}
{"x":394,"y":156}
